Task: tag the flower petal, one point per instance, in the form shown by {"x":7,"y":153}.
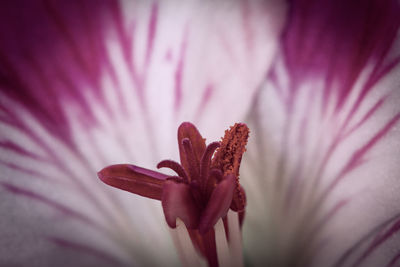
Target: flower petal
{"x":177,"y":202}
{"x":218,"y":204}
{"x":88,"y":84}
{"x":324,"y":144}
{"x":134,"y":179}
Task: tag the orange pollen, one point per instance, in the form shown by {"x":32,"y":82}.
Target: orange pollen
{"x":228,"y":156}
{"x":233,"y":145}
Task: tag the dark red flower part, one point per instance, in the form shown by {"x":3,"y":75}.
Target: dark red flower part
{"x":205,"y":187}
{"x":134,"y":179}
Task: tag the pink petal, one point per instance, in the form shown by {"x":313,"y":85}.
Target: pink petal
{"x":324,"y":144}
{"x":88,"y":84}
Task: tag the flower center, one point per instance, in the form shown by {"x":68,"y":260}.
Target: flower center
{"x":202,"y":174}
{"x":205,"y":187}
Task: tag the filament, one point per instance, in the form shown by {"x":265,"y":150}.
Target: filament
{"x":187,"y":253}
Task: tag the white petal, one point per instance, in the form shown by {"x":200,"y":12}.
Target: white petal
{"x":322,"y":165}
{"x":96,"y":83}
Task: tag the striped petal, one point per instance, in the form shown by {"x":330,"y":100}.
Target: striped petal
{"x":324,"y":146}
{"x":87,"y":84}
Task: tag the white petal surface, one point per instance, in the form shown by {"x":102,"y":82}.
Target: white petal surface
{"x":323,"y":159}
{"x":95,"y":83}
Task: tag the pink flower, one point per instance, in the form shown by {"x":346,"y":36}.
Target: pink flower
{"x":87,"y":84}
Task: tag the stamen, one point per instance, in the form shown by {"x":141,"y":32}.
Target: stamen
{"x":175,"y":166}
{"x":194,"y":168}
{"x":239,"y":199}
{"x":233,"y":145}
{"x":235,"y":239}
{"x":206,"y":162}
{"x":229,"y":156}
{"x":214,"y":177}
{"x":229,"y":253}
{"x":217,"y":174}
{"x":197,"y":195}
{"x":187,"y":253}
{"x":224,"y":257}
